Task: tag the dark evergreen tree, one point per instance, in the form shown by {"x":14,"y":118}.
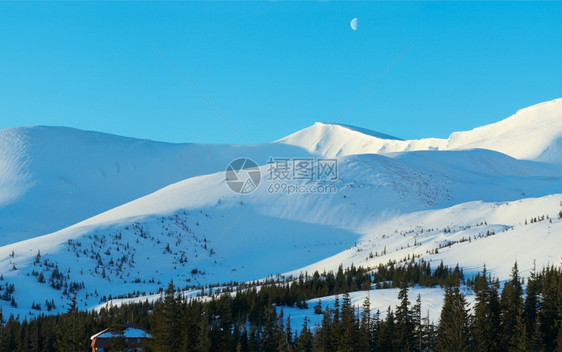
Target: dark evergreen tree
{"x":304,"y":339}
{"x":272,"y":331}
{"x":70,"y":333}
{"x":348,"y":326}
{"x":375,"y":330}
{"x":417,"y":324}
{"x":404,"y":322}
{"x":386,"y":339}
{"x":518,"y":340}
{"x":531,"y":305}
{"x":2,"y":332}
{"x":322,"y":339}
{"x":428,"y":334}
{"x":511,"y":312}
{"x":191,"y":327}
{"x":253,"y":339}
{"x":453,"y":330}
{"x":534,"y":342}
{"x":203,"y":342}
{"x":35,"y":335}
{"x":335,"y":332}
{"x":559,"y":338}
{"x":318,"y":307}
{"x":486,"y":328}
{"x":550,"y":306}
{"x":365,"y":336}
{"x":166,"y":323}
{"x":287,"y":343}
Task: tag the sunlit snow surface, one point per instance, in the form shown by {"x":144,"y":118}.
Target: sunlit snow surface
{"x":194,"y":229}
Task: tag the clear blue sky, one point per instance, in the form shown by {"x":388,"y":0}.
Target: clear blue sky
{"x":272,"y":68}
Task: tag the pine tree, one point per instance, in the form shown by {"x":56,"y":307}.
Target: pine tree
{"x":417,"y":323}
{"x":272,"y":331}
{"x":404,"y":323}
{"x":304,"y":340}
{"x":221,"y":324}
{"x":453,"y":330}
{"x":287,"y":338}
{"x":535,"y":342}
{"x":486,"y":321}
{"x":191,"y":327}
{"x":24,"y":338}
{"x":365,"y":338}
{"x":48,"y":332}
{"x":166,"y":324}
{"x":386,"y":340}
{"x":511,"y":311}
{"x":318,"y":307}
{"x":253,"y":343}
{"x":235,"y":337}
{"x":12,"y":334}
{"x":37,"y":258}
{"x":549,"y":308}
{"x":559,"y":338}
{"x":323,"y":340}
{"x":34,"y":336}
{"x":70,"y":331}
{"x":530,"y":309}
{"x":2,"y":332}
{"x":375,"y":330}
{"x":348,"y":326}
{"x":334,"y":333}
{"x":518,"y":341}
{"x":203,"y":342}
{"x":243,"y":340}
{"x":428,"y":334}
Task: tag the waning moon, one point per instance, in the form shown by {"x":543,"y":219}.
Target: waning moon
{"x":353,"y":24}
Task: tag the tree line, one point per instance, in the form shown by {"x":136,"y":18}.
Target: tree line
{"x":252,"y":318}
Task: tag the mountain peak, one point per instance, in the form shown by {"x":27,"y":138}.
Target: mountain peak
{"x":359,"y":129}
{"x":532,"y":133}
{"x":333,"y":139}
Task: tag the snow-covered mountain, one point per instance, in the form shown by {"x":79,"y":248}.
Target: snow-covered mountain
{"x":102,"y":215}
{"x":469,"y":234}
{"x":53,"y":177}
{"x":533,"y":133}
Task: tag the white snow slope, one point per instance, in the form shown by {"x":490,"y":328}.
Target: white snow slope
{"x":53,"y":177}
{"x":533,"y":133}
{"x":198,"y":231}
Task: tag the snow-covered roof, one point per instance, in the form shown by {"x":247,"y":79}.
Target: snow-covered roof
{"x":129,"y":332}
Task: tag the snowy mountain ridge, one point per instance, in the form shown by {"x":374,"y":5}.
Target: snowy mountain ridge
{"x":468,"y":234}
{"x":97,"y":215}
{"x":533,"y":133}
{"x":53,"y":177}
